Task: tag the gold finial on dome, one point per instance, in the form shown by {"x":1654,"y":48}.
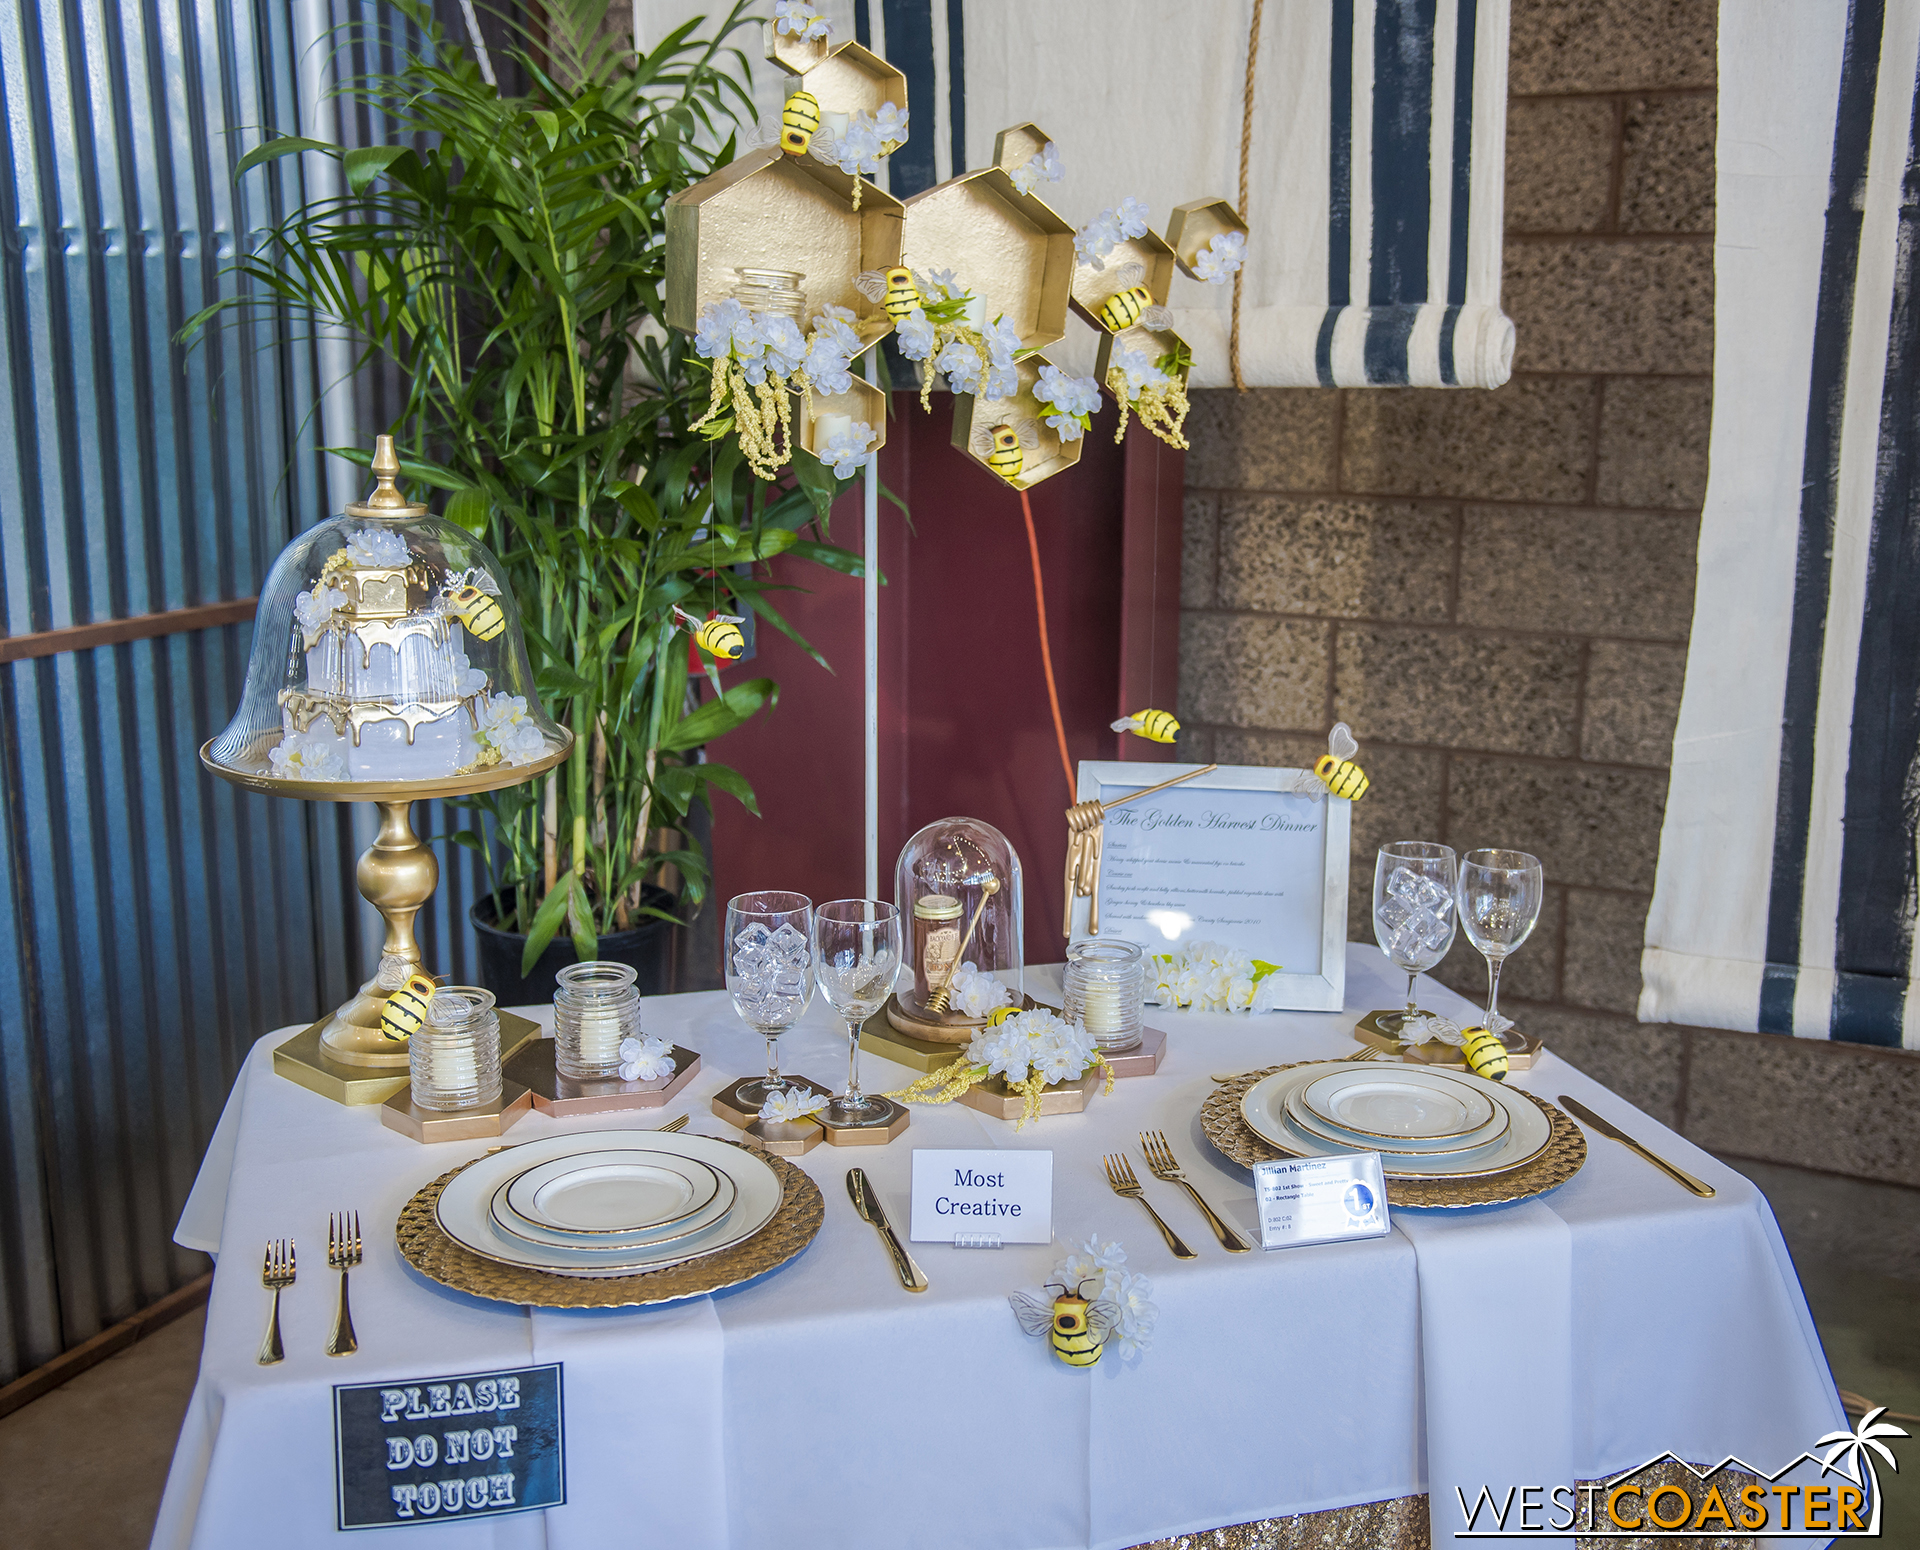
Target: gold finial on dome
{"x":386,"y":499}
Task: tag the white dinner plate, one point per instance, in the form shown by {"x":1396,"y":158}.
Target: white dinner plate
{"x":1475,"y":1141}
{"x":612,"y":1193}
{"x":1404,"y":1105}
{"x":529,"y":1232}
{"x":464,"y":1212}
{"x":1264,"y":1109}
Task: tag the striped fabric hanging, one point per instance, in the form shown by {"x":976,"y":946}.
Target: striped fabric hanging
{"x":1785,"y":900}
{"x":1377,"y":158}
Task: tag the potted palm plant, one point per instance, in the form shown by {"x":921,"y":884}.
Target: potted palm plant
{"x":506,"y":253}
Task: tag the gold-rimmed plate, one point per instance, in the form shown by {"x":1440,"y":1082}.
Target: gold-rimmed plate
{"x":1408,"y":1104}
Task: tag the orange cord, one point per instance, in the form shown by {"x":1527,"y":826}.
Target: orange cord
{"x":1046,"y":654}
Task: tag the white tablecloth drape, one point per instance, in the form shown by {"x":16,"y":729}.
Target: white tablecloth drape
{"x":1573,"y":1336}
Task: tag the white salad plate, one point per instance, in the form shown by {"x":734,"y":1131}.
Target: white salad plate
{"x":1264,"y":1108}
{"x":464,"y":1210}
{"x":505,"y":1220}
{"x":1476,"y":1141}
{"x":611,"y":1193}
{"x":1407,"y":1105}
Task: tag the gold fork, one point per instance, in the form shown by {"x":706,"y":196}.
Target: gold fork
{"x":1120,"y":1176}
{"x":1161,"y":1160}
{"x":343,"y":1253}
{"x":275,"y":1275}
{"x":671,"y":1126}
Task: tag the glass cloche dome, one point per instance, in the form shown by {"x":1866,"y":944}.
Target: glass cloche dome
{"x":957,"y":887}
{"x":386,"y":652}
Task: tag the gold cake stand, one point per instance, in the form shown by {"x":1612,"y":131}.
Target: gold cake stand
{"x":345,"y":1056}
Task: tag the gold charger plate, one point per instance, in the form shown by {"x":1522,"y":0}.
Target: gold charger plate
{"x":1562,"y":1157}
{"x":436,"y":1256}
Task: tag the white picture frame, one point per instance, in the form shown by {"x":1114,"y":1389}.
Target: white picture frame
{"x":1323,"y":987}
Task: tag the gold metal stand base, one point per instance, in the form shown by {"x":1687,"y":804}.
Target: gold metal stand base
{"x":401,"y":1113}
{"x":875,"y":1132}
{"x":783,"y":1140}
{"x":534,"y":1067}
{"x":302,"y":1059}
{"x":1432,"y":1052}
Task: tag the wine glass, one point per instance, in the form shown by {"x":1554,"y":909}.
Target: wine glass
{"x":857,"y":944}
{"x":1499,"y":894}
{"x":1413,"y":919}
{"x":769,"y":965}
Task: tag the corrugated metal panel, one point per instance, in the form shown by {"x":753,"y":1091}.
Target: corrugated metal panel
{"x":156,"y":921}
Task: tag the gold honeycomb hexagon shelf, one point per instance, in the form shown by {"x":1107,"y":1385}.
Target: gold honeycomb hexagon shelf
{"x":862,"y":403}
{"x":1017,"y":146}
{"x":1008,"y":248}
{"x":1194,"y":224}
{"x":769,"y":210}
{"x":1050,"y":457}
{"x":1093,"y":288}
{"x":1154,"y":343}
{"x":843,"y":77}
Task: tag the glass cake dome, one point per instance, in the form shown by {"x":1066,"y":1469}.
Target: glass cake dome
{"x":957,"y":887}
{"x":386,"y":652}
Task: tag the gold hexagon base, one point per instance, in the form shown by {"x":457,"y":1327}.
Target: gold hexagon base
{"x":783,"y":1140}
{"x":879,"y":1036}
{"x":302,"y":1060}
{"x":995,"y":1098}
{"x":535,"y":1068}
{"x":401,"y":1113}
{"x":1432,"y":1053}
{"x":876,"y":1132}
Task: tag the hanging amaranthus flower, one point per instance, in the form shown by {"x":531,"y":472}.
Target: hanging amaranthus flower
{"x":1154,"y":390}
{"x":759,"y":358}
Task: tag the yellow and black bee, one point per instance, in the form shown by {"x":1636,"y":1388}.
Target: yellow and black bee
{"x":895,"y":289}
{"x":1132,"y":303}
{"x":1078,"y":1327}
{"x":478,"y":612}
{"x":1000,"y":1014}
{"x":999,"y":445}
{"x":1484,"y":1054}
{"x":799,"y":122}
{"x":1335,"y":770}
{"x":719,"y":636}
{"x":406,"y":1009}
{"x":1157,"y":726}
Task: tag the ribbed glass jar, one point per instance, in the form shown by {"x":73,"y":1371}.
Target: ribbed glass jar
{"x":455,"y":1057}
{"x":1105,"y":984}
{"x":595,"y":1008}
{"x":771,"y":290}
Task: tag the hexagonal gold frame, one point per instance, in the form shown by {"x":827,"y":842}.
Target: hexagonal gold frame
{"x":862,"y":402}
{"x":1092,"y":288}
{"x":1154,"y":342}
{"x":1050,"y":457}
{"x":769,"y":210}
{"x":1017,"y":146}
{"x":1196,"y":223}
{"x":1008,"y":248}
{"x":844,"y":79}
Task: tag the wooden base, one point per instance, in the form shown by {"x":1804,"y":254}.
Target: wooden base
{"x":783,"y":1140}
{"x":879,"y":1037}
{"x":534,"y":1068}
{"x":302,"y":1060}
{"x":1142,"y":1060}
{"x":401,"y":1113}
{"x":994,"y":1097}
{"x":1432,"y":1052}
{"x":878,"y":1132}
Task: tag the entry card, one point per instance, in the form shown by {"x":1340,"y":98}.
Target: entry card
{"x":983,"y":1194}
{"x":1320,"y":1199}
{"x":425,"y":1450}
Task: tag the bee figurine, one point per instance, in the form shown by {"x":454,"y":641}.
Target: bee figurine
{"x":1484,"y":1054}
{"x":1132,"y":303}
{"x":719,"y":636}
{"x":471,"y":598}
{"x":406,"y":1010}
{"x":1335,"y":770}
{"x":893,"y":288}
{"x":1156,"y":726}
{"x":999,"y":446}
{"x":799,"y":122}
{"x":1078,"y":1327}
{"x":1001,"y":1013}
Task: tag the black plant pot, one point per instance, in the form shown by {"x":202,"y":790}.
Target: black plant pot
{"x":647,"y":947}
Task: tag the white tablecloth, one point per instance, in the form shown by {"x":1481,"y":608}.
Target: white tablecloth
{"x":1572,"y":1336}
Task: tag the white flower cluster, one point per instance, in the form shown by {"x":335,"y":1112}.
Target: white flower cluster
{"x":799,"y":19}
{"x":846,"y":450}
{"x":1208,"y":977}
{"x":506,"y":726}
{"x":1042,"y":166}
{"x":1107,"y":230}
{"x":1073,"y":399}
{"x":376,"y":546}
{"x":645,"y":1059}
{"x":314,"y":609}
{"x":831,"y":348}
{"x":1035,"y":1040}
{"x":973,"y":994}
{"x":1221,"y":258}
{"x":1094,"y":1264}
{"x":966,"y":371}
{"x":771,"y":344}
{"x":867,"y":138}
{"x":1137,"y":367}
{"x":791,"y":1105}
{"x":470,"y":679}
{"x":301,"y":756}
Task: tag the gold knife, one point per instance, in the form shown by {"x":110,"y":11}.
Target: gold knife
{"x":868,"y":1205}
{"x":1607,"y":1128}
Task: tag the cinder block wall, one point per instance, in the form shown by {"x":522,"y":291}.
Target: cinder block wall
{"x":1495,"y":589}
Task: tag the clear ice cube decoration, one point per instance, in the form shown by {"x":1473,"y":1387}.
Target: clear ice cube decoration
{"x":755,"y":935}
{"x":790,"y":943}
{"x":1429,"y":895}
{"x":1400,"y":882}
{"x":1392,"y":912}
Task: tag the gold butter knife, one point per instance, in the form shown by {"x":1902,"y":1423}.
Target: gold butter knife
{"x":868,"y":1205}
{"x":1680,"y":1176}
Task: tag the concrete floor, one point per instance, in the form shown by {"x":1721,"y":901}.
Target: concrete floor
{"x":1857,"y":1246}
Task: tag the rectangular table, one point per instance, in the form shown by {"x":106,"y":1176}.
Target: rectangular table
{"x":1570,"y":1336}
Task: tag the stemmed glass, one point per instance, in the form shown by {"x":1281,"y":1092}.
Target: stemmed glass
{"x":1499,"y":893}
{"x":769,"y":967}
{"x":858,"y":942}
{"x":1413,"y":920}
